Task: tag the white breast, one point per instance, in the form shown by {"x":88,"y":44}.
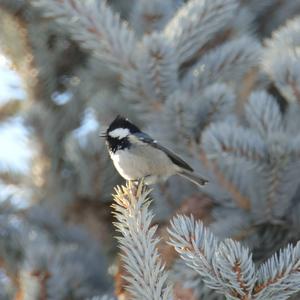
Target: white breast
{"x":139,"y":162}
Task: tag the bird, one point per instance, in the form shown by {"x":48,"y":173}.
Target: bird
{"x":137,"y":156}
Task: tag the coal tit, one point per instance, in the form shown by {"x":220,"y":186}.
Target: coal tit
{"x":137,"y":156}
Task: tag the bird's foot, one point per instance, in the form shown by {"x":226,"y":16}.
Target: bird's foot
{"x":137,"y":186}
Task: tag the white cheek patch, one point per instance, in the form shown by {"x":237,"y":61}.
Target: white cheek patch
{"x":119,"y":133}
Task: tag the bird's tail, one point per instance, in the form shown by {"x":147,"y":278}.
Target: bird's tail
{"x":197,"y":179}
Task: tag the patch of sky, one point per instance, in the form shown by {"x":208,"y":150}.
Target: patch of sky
{"x":15,"y":152}
{"x":10,"y":82}
{"x":89,"y":124}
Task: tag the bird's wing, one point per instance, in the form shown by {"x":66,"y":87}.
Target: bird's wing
{"x":145,"y":138}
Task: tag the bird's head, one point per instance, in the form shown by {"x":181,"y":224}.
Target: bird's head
{"x":118,"y":132}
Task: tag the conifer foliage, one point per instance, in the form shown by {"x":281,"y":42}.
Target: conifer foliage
{"x":216,"y":81}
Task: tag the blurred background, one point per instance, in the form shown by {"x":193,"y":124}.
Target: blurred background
{"x":217,"y":81}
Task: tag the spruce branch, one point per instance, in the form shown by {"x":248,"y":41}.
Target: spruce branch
{"x":221,"y":141}
{"x":257,"y":6}
{"x":91,"y":162}
{"x":196,"y":246}
{"x":217,"y":102}
{"x":236,"y":269}
{"x":281,"y":59}
{"x":155,"y":77}
{"x":157,"y":67}
{"x":96,"y":27}
{"x":291,"y":123}
{"x":280,"y":173}
{"x":263,"y":114}
{"x":266,"y":149}
{"x":180,"y":103}
{"x":12,"y":5}
{"x":196,"y":112}
{"x":150,"y":16}
{"x":196,"y":23}
{"x":227,"y":266}
{"x":240,"y":198}
{"x":279,"y":276}
{"x":228,"y":61}
{"x":132,"y":89}
{"x":190,"y":279}
{"x":147,"y":278}
{"x":280,"y":185}
{"x":281,"y":162}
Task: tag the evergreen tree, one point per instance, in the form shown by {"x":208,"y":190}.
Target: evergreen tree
{"x":216,"y":81}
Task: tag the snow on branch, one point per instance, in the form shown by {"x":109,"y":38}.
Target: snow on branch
{"x":96,"y":27}
{"x":227,"y":266}
{"x":147,"y":278}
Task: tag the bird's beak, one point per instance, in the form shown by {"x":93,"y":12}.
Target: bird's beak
{"x":103,"y":134}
